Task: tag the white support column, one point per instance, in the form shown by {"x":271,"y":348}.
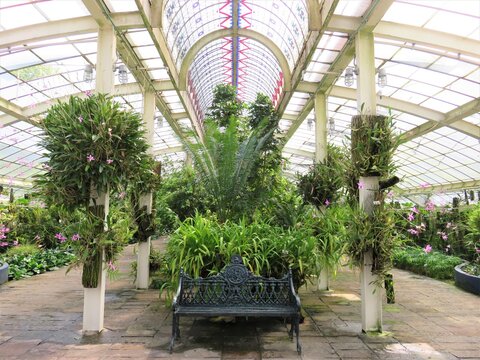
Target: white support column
{"x":94,"y":298}
{"x":371,"y":293}
{"x":320,"y":127}
{"x":320,"y":156}
{"x":365,"y":58}
{"x":143,"y":254}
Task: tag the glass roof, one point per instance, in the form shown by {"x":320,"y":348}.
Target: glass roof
{"x":428,"y":49}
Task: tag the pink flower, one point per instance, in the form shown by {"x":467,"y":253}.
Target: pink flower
{"x":424,"y":185}
{"x":429,"y":206}
{"x":413,"y":231}
{"x":415,"y":210}
{"x":90,"y":158}
{"x":477,"y":250}
{"x":390,"y":194}
{"x":109,"y":161}
{"x":444,"y":236}
{"x":361,"y":185}
{"x":80,"y":118}
{"x":88,"y":93}
{"x":3,"y":244}
{"x":427,"y":249}
{"x":75,"y":237}
{"x":327,"y":202}
{"x":15,"y":243}
{"x":60,"y":237}
{"x":449,"y":225}
{"x":411,"y":217}
{"x":46,"y":167}
{"x":122,"y":195}
{"x":111,"y":266}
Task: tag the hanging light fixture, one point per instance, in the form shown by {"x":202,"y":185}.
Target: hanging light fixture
{"x":122,"y":74}
{"x":382,"y":78}
{"x":88,"y":73}
{"x":331,"y":125}
{"x":310,"y":124}
{"x":349,"y":76}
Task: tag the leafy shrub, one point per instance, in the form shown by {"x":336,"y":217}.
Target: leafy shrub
{"x":202,"y":246}
{"x":322,"y":183}
{"x":434,"y":264}
{"x":22,"y":250}
{"x":23,"y":264}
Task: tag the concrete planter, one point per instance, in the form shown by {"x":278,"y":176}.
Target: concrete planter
{"x":466,"y":281}
{"x":3,"y":273}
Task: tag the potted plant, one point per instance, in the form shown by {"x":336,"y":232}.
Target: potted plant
{"x":467,"y":276}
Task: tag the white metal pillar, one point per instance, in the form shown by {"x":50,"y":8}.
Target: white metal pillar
{"x":143,"y":254}
{"x":371,"y":292}
{"x":320,"y":102}
{"x":94,"y":298}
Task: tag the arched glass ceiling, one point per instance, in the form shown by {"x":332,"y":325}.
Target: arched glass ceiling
{"x":258,"y":71}
{"x":245,"y":63}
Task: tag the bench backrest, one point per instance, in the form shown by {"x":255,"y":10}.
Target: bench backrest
{"x":235,"y":285}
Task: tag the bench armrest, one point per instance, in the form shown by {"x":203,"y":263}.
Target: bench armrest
{"x":176,"y":298}
{"x":292,"y":289}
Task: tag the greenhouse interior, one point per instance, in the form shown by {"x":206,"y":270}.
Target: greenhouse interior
{"x":240,"y":179}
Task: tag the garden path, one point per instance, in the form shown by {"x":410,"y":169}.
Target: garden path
{"x":41,"y":318}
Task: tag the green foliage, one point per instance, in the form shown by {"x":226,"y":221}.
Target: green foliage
{"x":434,"y":264}
{"x":375,"y":233}
{"x":88,"y":240}
{"x":93,"y":146}
{"x":203,"y":246}
{"x":225,"y":105}
{"x":331,"y":233}
{"x":285,"y":208}
{"x":22,"y":250}
{"x":90,"y":141}
{"x":238,"y":157}
{"x":180,"y":193}
{"x":38,"y":225}
{"x":24,"y":263}
{"x":224,"y":165}
{"x":322,"y":183}
{"x":473,"y":239}
{"x":373,"y":144}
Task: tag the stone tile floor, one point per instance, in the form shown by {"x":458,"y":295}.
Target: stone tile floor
{"x":41,"y":318}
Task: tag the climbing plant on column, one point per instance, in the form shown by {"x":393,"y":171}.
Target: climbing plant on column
{"x":92,"y":146}
{"x":373,"y":143}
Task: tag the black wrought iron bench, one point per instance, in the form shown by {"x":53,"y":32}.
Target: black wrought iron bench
{"x":235,"y":291}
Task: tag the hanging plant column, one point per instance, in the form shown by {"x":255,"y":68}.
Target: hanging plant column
{"x":94,"y":148}
{"x":372,"y":147}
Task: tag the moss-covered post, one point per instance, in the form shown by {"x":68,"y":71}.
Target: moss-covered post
{"x":94,"y":298}
{"x":321,"y":156}
{"x":145,"y":200}
{"x":371,"y":293}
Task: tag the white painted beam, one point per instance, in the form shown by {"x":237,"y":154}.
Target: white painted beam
{"x":436,"y":39}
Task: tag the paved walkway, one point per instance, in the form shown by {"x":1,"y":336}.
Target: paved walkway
{"x":41,"y":318}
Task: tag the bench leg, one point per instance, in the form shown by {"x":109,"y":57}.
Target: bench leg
{"x":175,"y":331}
{"x":292,"y":326}
{"x":297,"y":332}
